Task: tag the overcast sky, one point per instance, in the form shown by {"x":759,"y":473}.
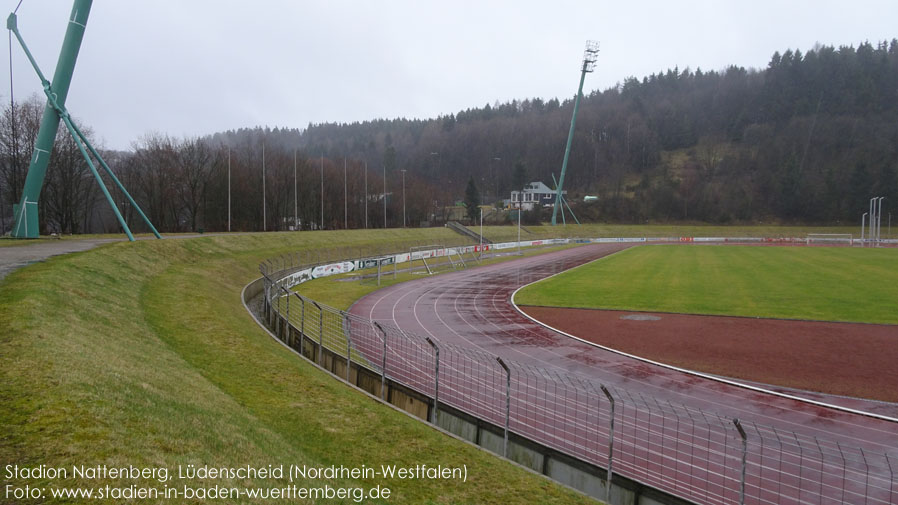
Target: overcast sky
{"x":194,"y":67}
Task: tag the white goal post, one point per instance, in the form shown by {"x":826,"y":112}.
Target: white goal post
{"x":830,"y":238}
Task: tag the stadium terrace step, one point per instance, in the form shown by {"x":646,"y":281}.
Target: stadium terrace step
{"x":467,"y":232}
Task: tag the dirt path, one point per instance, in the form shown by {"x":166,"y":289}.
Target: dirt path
{"x":836,"y":358}
{"x":18,"y":256}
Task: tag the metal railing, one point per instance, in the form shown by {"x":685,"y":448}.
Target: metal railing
{"x":691,"y":453}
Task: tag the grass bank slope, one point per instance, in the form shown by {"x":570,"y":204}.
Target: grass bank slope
{"x":818,"y":283}
{"x":142,"y":354}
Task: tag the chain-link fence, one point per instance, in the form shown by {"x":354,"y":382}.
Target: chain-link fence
{"x":691,"y":453}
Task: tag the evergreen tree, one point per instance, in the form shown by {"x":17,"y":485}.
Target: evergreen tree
{"x":519,"y":177}
{"x":472,"y":200}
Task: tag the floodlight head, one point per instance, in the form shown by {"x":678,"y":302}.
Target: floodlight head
{"x":590,"y":54}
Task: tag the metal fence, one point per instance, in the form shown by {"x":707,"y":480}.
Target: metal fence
{"x":691,"y":453}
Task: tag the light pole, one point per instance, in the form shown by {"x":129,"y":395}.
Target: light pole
{"x":481,"y":232}
{"x":589,"y":61}
{"x":403,"y":198}
{"x":295,"y":204}
{"x":321,"y":226}
{"x":872,"y":220}
{"x":519,"y":226}
{"x":264,"y":206}
{"x":439,"y":158}
{"x":229,"y":188}
{"x":863,"y":222}
{"x":366,"y":195}
{"x":493,"y":176}
{"x":385,"y":196}
{"x":345,"y":201}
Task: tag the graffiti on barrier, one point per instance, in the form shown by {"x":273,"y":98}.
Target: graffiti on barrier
{"x":333,"y":269}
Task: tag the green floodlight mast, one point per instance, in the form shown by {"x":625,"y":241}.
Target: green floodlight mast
{"x":25,"y":212}
{"x":589,"y":62}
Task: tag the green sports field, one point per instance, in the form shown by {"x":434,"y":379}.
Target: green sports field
{"x":817,"y":283}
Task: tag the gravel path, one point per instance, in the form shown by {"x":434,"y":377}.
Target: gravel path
{"x":18,"y":256}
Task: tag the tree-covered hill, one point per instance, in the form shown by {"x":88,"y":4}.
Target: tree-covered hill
{"x":810,"y":138}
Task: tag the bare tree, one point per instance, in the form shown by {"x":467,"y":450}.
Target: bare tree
{"x":19,"y":124}
{"x":195,"y":163}
{"x":71,"y":191}
{"x":154,"y":166}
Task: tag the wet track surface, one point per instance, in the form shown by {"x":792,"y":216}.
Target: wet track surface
{"x":472,"y":309}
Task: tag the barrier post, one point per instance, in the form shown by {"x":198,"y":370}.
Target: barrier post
{"x":383,"y":368}
{"x":302,"y":321}
{"x":277,"y":308}
{"x":269,"y":310}
{"x":744,"y":454}
{"x":436,"y":381}
{"x":320,"y":331}
{"x":289,"y":335}
{"x":610,"y":446}
{"x":507,"y":404}
{"x":265,"y":284}
{"x":348,"y":324}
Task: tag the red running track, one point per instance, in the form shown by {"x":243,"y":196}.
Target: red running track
{"x":673,"y":429}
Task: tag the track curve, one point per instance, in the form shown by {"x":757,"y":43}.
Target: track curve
{"x":472,"y":309}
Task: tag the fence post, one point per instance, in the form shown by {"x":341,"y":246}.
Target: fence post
{"x":348,"y":344}
{"x":289,"y":335}
{"x":320,"y":331}
{"x":610,"y":445}
{"x":383,"y":367}
{"x":277,"y":308}
{"x":507,"y":404}
{"x":436,"y":381}
{"x":268,"y":308}
{"x":302,"y":321}
{"x":265,"y":309}
{"x":744,"y":453}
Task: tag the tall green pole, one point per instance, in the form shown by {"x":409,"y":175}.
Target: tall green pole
{"x":589,"y":59}
{"x":26,"y":222}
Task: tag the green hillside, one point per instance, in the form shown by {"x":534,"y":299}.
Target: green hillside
{"x":142,"y":354}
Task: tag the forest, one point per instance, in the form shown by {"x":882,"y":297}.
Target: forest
{"x":808,"y":139}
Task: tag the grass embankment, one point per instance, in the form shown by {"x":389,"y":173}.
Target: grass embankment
{"x":12,"y":242}
{"x":142,"y":354}
{"x":817,"y":283}
{"x":510,"y":233}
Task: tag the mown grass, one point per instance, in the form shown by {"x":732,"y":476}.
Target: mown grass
{"x":142,"y":354}
{"x":818,"y":283}
{"x":7,"y":241}
{"x":510,"y":233}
